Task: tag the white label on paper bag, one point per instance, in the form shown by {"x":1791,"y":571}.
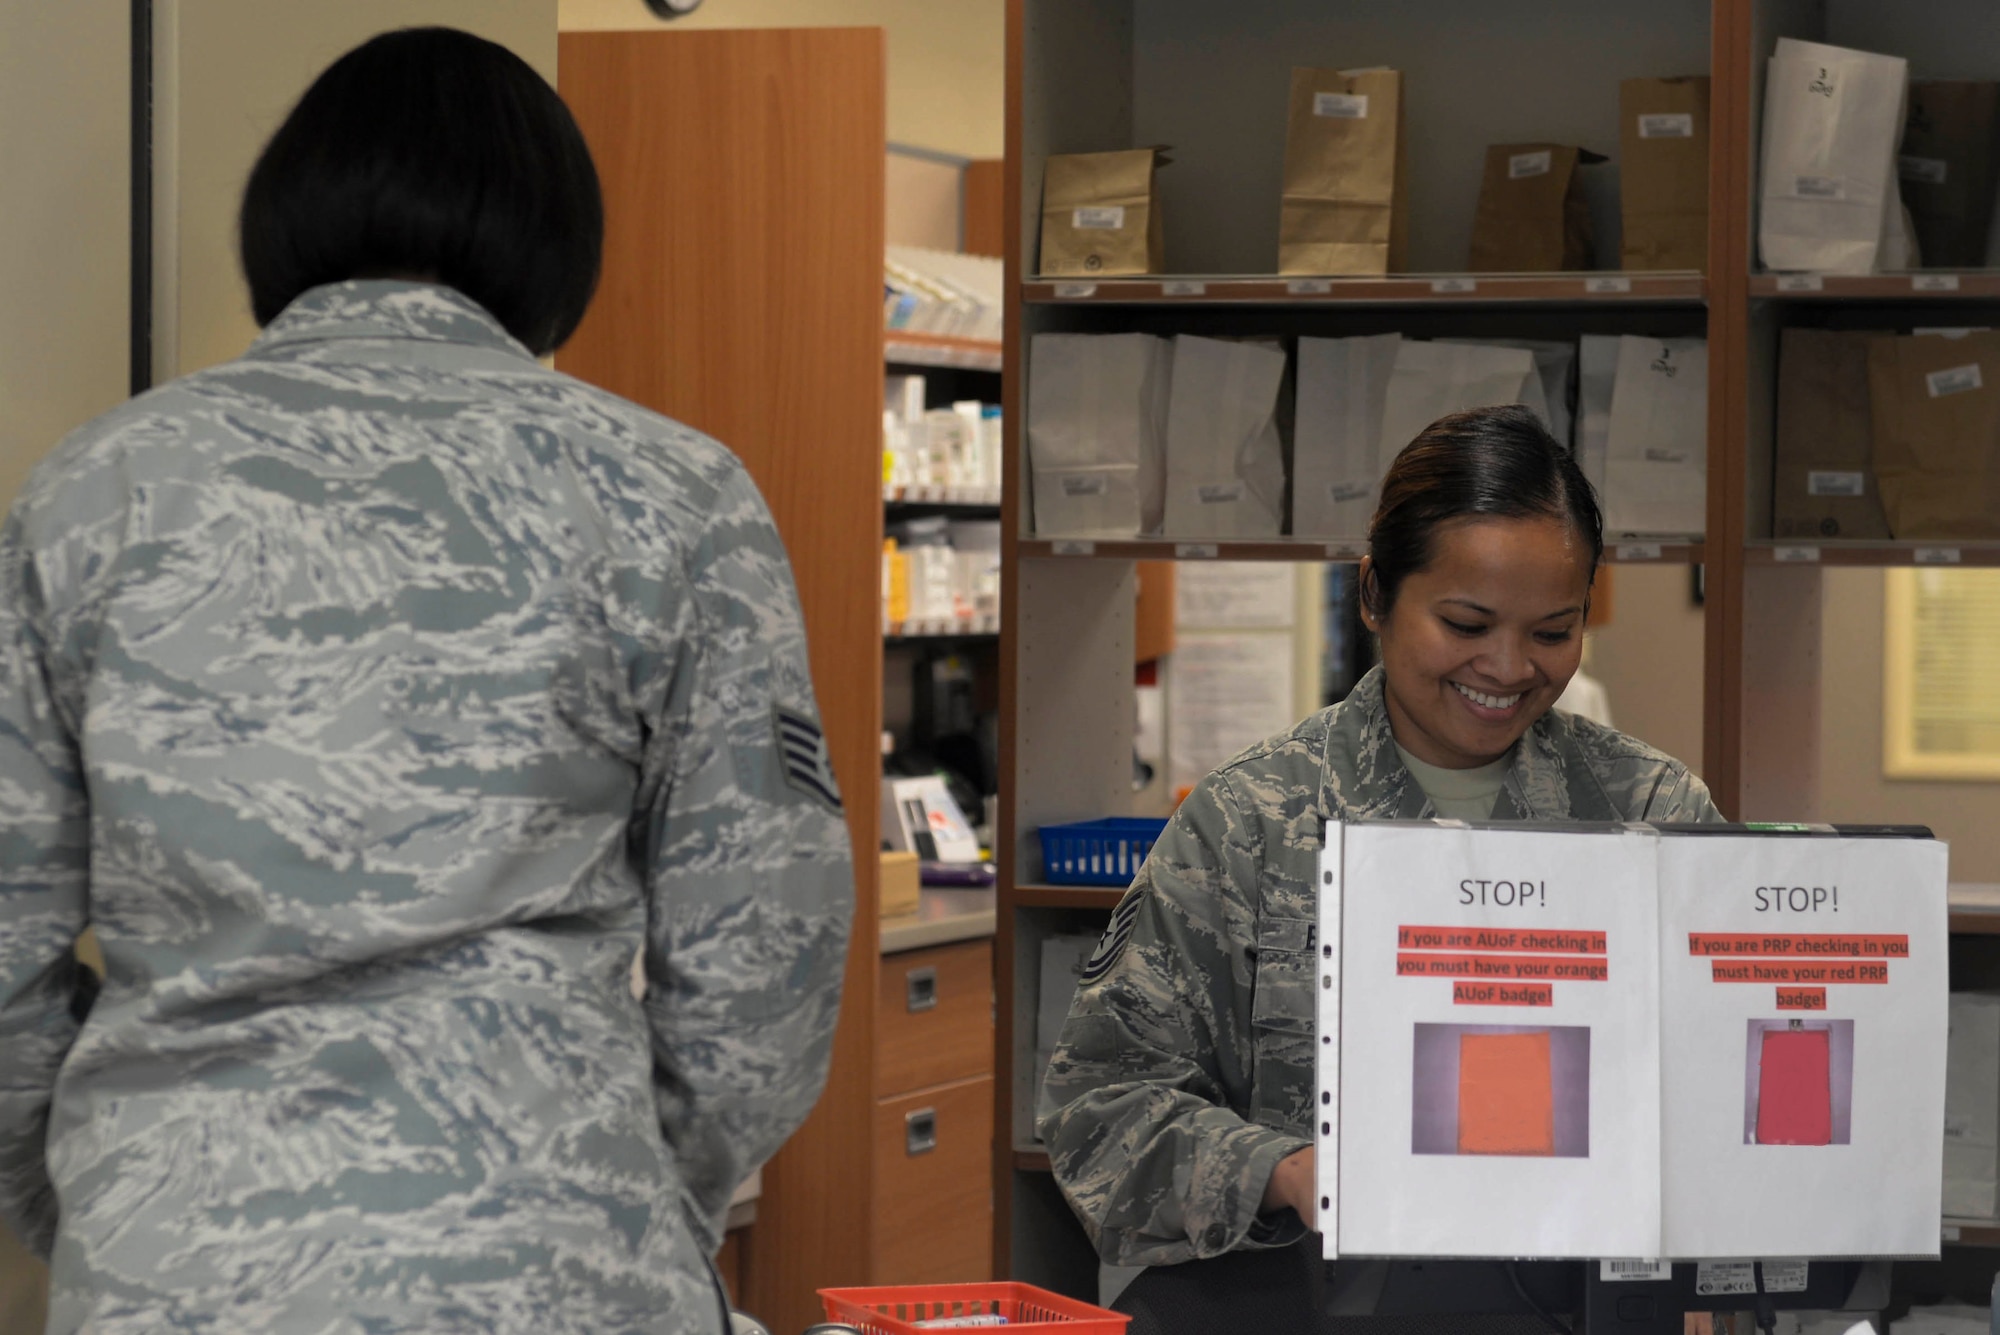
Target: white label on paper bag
{"x":1099,"y":218}
{"x":1308,"y":287}
{"x":1931,"y":171}
{"x":1073,"y":547}
{"x":1090,"y":484}
{"x":1183,"y":288}
{"x":1220,"y":493}
{"x":1836,"y":484}
{"x":1934,"y":282}
{"x":1950,"y":1233}
{"x":1937,"y":556}
{"x":1196,"y":551}
{"x":1609,"y":1271}
{"x":1800,"y":282}
{"x":1349,"y":491}
{"x":1820,"y":187}
{"x":1800,"y":555}
{"x":1713,"y":1277}
{"x":1638,"y":551}
{"x":1448,"y":286}
{"x":1953,"y":380}
{"x":1530,"y":164}
{"x":1075,"y":291}
{"x":1667,"y":125}
{"x":1957,"y":1128}
{"x":1600,"y":285}
{"x":1341,"y":106}
{"x":1786,"y":1276}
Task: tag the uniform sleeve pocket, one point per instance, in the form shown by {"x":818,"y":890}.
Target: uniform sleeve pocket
{"x":1282,"y":997}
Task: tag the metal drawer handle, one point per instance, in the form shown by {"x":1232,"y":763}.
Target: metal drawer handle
{"x":921,"y":989}
{"x":920,"y":1131}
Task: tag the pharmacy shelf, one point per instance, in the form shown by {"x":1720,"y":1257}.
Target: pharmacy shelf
{"x":1856,"y":552}
{"x":1625,"y":552}
{"x":1033,"y":1161}
{"x":979,"y":498}
{"x":942,"y":628}
{"x":1975,"y":285}
{"x":1403,"y":290}
{"x":906,"y":348}
{"x":1067,"y":896}
{"x":1970,"y":1232}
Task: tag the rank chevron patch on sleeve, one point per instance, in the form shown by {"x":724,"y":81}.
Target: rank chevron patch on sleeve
{"x":802,"y":749}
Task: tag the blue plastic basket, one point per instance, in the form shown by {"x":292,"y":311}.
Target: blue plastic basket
{"x":1098,"y":852}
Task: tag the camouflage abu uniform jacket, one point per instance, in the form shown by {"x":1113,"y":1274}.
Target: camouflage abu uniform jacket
{"x":1185,"y":1070}
{"x":376,"y":696}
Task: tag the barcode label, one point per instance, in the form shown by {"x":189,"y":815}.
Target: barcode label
{"x":1936,"y":556}
{"x":1934,"y":282}
{"x":1075,"y":291}
{"x":1637,"y":551}
{"x":1309,"y":287}
{"x":1349,"y":491}
{"x":1820,"y":187}
{"x":1530,"y":164}
{"x":1628,"y":1270}
{"x":1072,"y":547}
{"x":1183,"y":288}
{"x":1447,"y":286}
{"x":1220,"y":493}
{"x":1667,"y":125}
{"x":1800,"y":282}
{"x":1786,"y":1276}
{"x":1104,"y":218}
{"x":1836,"y":484}
{"x":1341,"y":106}
{"x":1953,"y":380}
{"x":1800,"y":555}
{"x":1196,"y":551}
{"x":1713,"y":1277}
{"x":1931,"y":171}
{"x":1090,"y":484}
{"x":1345,"y":551}
{"x":1598,"y":285}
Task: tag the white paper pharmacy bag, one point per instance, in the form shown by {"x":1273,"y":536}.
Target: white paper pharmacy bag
{"x":1833,"y":118}
{"x":1432,"y":379}
{"x":1096,"y":409}
{"x":1555,"y":366}
{"x":1336,"y":432}
{"x":1596,"y":378}
{"x":1656,"y":452}
{"x":1225,"y":462}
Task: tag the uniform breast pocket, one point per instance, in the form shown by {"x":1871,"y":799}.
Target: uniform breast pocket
{"x":1282,"y":998}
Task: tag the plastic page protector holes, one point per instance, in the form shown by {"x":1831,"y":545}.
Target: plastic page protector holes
{"x":1506,"y":1094}
{"x":1795,"y":1089}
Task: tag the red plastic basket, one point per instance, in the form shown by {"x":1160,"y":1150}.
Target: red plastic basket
{"x":1027,"y":1309}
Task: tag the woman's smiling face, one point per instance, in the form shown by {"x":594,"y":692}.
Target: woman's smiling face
{"x":1481,"y":642}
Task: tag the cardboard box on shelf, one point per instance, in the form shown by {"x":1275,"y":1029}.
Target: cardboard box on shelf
{"x":899,"y":884}
{"x":1663,"y":174}
{"x":1100,"y":214}
{"x":1344,"y":208}
{"x":1823,"y":481}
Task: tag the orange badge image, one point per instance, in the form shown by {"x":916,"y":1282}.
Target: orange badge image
{"x":1506,"y":1094}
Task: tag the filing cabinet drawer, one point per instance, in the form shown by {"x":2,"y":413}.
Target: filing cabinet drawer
{"x":934,"y":1017}
{"x":934,"y":1186}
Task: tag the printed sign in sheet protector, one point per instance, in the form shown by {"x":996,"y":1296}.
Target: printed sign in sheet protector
{"x":1803,"y":1003}
{"x":1499,"y":1055}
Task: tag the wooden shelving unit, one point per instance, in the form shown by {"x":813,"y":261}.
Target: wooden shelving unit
{"x":1088,"y":75}
{"x":902,"y":347}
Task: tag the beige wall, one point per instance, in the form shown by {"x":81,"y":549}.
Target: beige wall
{"x":1649,"y":659}
{"x":947,"y":58}
{"x":228,"y":71}
{"x":1852,"y":786}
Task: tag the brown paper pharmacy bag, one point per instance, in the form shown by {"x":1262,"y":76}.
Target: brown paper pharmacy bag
{"x":1947,"y":164}
{"x":1344,"y":210}
{"x":1663,"y":173}
{"x":1936,"y":408}
{"x":1532,"y":216}
{"x":1824,"y":483}
{"x":1100,"y":216}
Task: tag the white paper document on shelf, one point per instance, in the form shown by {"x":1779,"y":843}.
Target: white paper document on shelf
{"x":1225,"y":691}
{"x":1574,"y":1042}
